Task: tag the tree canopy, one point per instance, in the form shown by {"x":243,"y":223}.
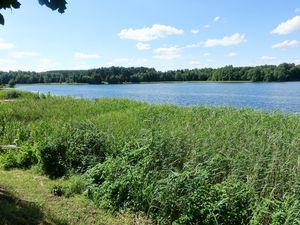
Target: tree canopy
{"x":118,"y":75}
{"x":59,"y":5}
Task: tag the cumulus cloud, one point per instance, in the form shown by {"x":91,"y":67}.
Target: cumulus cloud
{"x":194,"y":63}
{"x":46,"y":64}
{"x":169,"y":53}
{"x":286,"y":44}
{"x":217,"y":19}
{"x":234,"y":39}
{"x":232,"y":54}
{"x":78,"y":55}
{"x":142,"y":46}
{"x":173,"y":52}
{"x":19,"y":55}
{"x":206,"y":26}
{"x":267,"y":57}
{"x":287,"y":27}
{"x":124,"y":61}
{"x":5,"y":45}
{"x":194,"y":31}
{"x":194,"y":45}
{"x":149,"y":33}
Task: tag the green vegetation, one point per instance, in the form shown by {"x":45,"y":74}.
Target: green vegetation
{"x":25,"y":198}
{"x":176,"y":165}
{"x":118,"y":75}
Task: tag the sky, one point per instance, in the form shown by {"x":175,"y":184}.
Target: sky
{"x":164,"y":34}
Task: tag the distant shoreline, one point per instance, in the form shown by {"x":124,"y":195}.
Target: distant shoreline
{"x":157,"y":82}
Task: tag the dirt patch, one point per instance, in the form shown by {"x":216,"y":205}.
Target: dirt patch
{"x":7,"y":100}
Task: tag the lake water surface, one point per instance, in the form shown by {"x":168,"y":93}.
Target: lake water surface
{"x":265,"y":96}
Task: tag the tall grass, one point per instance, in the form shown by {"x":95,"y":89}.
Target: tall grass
{"x":178,"y":165}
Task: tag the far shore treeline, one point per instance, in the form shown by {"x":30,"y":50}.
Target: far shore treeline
{"x":118,"y":75}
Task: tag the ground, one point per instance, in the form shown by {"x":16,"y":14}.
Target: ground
{"x":26,"y":198}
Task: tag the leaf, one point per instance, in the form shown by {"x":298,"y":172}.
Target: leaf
{"x":59,"y":5}
{"x":1,"y":19}
{"x":15,"y":4}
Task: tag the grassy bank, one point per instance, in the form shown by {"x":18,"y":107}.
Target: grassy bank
{"x":27,"y":198}
{"x":177,"y":165}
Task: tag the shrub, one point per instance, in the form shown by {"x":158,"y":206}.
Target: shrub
{"x":23,"y":157}
{"x":73,"y":149}
{"x":53,"y":156}
{"x":86,"y":146}
{"x":12,"y":95}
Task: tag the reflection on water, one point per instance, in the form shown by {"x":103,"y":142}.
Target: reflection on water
{"x":266,"y":96}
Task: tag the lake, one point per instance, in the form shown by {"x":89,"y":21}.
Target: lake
{"x":265,"y":96}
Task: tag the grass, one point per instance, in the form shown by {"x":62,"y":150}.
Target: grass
{"x":27,"y":199}
{"x":176,"y":165}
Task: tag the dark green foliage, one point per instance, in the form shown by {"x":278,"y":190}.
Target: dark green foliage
{"x":57,"y":190}
{"x":4,"y":4}
{"x":12,"y":95}
{"x":53,"y":156}
{"x":11,"y":83}
{"x":23,"y":157}
{"x":118,"y":75}
{"x":73,"y":148}
{"x":59,"y":5}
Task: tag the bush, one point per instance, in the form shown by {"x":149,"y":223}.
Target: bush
{"x":12,"y":95}
{"x":53,"y":156}
{"x":73,"y":149}
{"x":87,"y":146}
{"x":23,"y":157}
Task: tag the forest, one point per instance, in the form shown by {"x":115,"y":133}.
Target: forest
{"x":119,"y":75}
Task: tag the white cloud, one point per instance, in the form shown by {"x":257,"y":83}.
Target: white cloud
{"x":194,"y":31}
{"x":195,"y":45}
{"x":206,"y":26}
{"x":173,"y":52}
{"x":217,"y":19}
{"x":149,"y":33}
{"x":286,"y":44}
{"x":143,"y":46}
{"x":267,"y":57}
{"x":232,"y":54}
{"x":169,"y":53}
{"x":194,"y":62}
{"x":287,"y":27}
{"x":297,"y":61}
{"x":47,"y":64}
{"x":234,"y":39}
{"x":79,"y":55}
{"x":19,"y":55}
{"x":124,"y":61}
{"x":5,"y":45}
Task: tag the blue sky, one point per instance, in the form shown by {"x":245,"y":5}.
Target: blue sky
{"x":165,"y":34}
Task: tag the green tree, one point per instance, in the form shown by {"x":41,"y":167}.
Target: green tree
{"x":11,"y":83}
{"x":59,"y":5}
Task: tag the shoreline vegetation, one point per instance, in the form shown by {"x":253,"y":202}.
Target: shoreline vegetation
{"x":171,"y":164}
{"x":120,"y":75}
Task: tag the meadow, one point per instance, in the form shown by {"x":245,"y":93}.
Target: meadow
{"x":172,"y":164}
